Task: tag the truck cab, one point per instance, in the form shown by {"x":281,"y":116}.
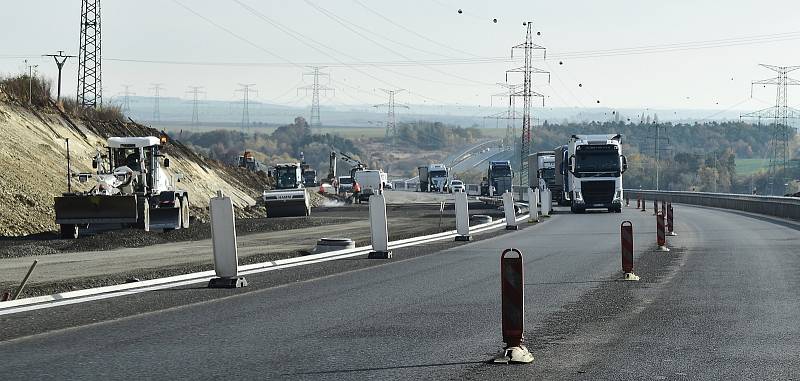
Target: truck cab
{"x":596,"y":165}
{"x":500,"y":177}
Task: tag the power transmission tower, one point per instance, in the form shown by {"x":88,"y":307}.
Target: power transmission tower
{"x":527,"y":93}
{"x":780,"y":114}
{"x":511,"y":114}
{"x":60,"y":59}
{"x":90,"y":89}
{"x":156,"y":98}
{"x":315,"y":88}
{"x":195,"y":91}
{"x":390,"y":139}
{"x":126,"y":99}
{"x":246,"y":89}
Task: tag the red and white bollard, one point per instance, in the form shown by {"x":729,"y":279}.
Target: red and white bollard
{"x":626,"y":238}
{"x":661,"y":232}
{"x":512,"y":289}
{"x":670,"y":225}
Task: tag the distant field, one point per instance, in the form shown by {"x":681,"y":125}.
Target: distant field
{"x":746,"y":167}
{"x":347,"y":132}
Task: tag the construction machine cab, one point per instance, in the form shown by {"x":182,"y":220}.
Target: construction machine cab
{"x":288,"y":176}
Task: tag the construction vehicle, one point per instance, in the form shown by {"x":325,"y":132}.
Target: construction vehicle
{"x":434,"y":178}
{"x":133,"y":190}
{"x":249,"y":162}
{"x":541,"y":170}
{"x":499,"y":178}
{"x":372,"y":181}
{"x":596,"y":165}
{"x":289,"y":198}
{"x":309,"y":176}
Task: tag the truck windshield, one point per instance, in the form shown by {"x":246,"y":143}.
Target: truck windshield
{"x":286,"y":178}
{"x":501,"y":172}
{"x":345,"y":180}
{"x":438,"y":173}
{"x":597,"y":161}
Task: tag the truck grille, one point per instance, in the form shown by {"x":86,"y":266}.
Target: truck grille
{"x":597,"y":192}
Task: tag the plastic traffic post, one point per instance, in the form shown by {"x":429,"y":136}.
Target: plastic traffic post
{"x":664,"y":208}
{"x":670,"y":216}
{"x":508,"y":207}
{"x":638,"y":202}
{"x":644,"y":204}
{"x":223,"y":239}
{"x":378,"y":227}
{"x":462,"y":216}
{"x":512,"y":294}
{"x":547,"y":202}
{"x":655,"y":207}
{"x":627,"y":201}
{"x":661,"y":233}
{"x":533,"y":205}
{"x":626,"y":238}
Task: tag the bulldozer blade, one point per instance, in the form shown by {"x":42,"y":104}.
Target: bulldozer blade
{"x":96,"y":209}
{"x":287,"y":203}
{"x":165,"y":218}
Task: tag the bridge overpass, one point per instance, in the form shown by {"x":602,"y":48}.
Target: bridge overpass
{"x":723,"y":304}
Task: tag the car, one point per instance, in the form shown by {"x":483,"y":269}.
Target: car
{"x":456,"y":186}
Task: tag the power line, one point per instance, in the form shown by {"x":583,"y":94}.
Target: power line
{"x":246,"y":89}
{"x":90,"y":89}
{"x":195,"y":91}
{"x":316,"y":88}
{"x":780,"y":114}
{"x":390,"y":139}
{"x":528,"y":47}
{"x":156,"y":101}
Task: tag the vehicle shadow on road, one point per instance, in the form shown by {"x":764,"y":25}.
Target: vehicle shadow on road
{"x":372,"y":369}
{"x":570,"y":282}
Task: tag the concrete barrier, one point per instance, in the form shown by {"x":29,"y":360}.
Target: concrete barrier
{"x":777,"y":206}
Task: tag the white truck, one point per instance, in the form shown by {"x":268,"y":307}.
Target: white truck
{"x":541,"y":170}
{"x":434,"y":178}
{"x":596,"y":165}
{"x":371,"y":181}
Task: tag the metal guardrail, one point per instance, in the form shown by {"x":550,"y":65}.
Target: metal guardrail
{"x":778,"y":206}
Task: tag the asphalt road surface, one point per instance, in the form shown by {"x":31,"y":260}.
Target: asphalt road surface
{"x":723,"y":304}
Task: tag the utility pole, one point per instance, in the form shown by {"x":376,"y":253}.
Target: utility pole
{"x":780,"y":114}
{"x":246,"y":89}
{"x":315,"y":88}
{"x":527,"y":93}
{"x":156,"y":98}
{"x":390,"y":139}
{"x":60,"y":59}
{"x":90,"y":89}
{"x":195,"y":91}
{"x":30,"y":81}
{"x":126,"y":99}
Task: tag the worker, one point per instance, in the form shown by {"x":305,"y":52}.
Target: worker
{"x":356,"y":191}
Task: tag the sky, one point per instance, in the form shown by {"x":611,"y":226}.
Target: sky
{"x":678,"y":54}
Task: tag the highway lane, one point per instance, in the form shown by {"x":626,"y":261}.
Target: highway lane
{"x":436,"y":316}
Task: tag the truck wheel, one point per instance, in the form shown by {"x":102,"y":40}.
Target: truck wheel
{"x":69,"y":231}
{"x":185,"y":212}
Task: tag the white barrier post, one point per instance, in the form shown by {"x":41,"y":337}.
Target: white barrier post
{"x":508,"y":207}
{"x":533,"y":207}
{"x":547,"y":202}
{"x":378,"y":227}
{"x":462,"y":216}
{"x":223,"y":237}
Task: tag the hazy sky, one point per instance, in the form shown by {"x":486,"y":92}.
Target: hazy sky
{"x":706,"y":52}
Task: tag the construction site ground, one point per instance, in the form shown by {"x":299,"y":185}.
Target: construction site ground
{"x":123,"y":256}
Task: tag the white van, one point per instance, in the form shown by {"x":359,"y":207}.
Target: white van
{"x":371,"y":182}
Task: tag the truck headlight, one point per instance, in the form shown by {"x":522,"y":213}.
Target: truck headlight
{"x":578,"y":196}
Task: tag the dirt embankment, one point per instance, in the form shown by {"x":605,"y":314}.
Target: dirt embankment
{"x":33,"y":166}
